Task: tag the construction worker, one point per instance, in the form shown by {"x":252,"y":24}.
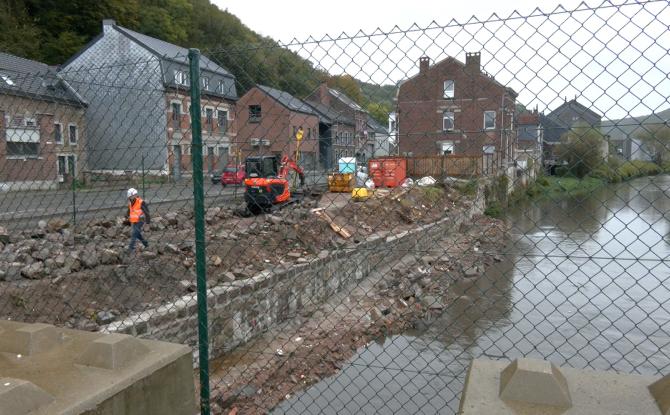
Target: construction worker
{"x":137,"y":215}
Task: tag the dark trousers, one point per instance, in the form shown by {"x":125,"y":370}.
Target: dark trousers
{"x":136,"y":235}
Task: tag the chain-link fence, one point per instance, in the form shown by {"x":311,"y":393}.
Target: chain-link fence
{"x":340,"y":225}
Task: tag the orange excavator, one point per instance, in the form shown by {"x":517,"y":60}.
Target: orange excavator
{"x":266,"y":182}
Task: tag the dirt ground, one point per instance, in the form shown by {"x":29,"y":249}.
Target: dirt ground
{"x":83,"y":278}
{"x":407,"y":295}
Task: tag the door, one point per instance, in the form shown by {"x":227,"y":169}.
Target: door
{"x":223,"y":157}
{"x":176,"y":162}
{"x":62,"y":170}
{"x":210,"y":159}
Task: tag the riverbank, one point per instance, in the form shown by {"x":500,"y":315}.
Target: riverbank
{"x":555,"y":187}
{"x":409,"y":293}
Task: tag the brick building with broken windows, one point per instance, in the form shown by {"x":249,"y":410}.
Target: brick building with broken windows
{"x":42,"y":134}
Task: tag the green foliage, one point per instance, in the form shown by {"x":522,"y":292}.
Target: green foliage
{"x":656,"y":139}
{"x":379,"y":111}
{"x":616,"y":171}
{"x":433,"y":193}
{"x":581,"y":148}
{"x":468,"y":188}
{"x":51,"y":31}
{"x":494,"y":209}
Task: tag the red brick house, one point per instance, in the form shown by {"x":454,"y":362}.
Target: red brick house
{"x":455,"y":108}
{"x":42,"y":134}
{"x":268,"y":120}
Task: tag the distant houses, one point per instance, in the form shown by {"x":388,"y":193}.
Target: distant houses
{"x":42,"y":126}
{"x":137,"y":88}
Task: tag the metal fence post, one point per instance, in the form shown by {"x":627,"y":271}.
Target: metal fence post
{"x":143,"y":177}
{"x":199,"y":211}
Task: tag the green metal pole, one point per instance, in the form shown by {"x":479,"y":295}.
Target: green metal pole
{"x":199,"y":205}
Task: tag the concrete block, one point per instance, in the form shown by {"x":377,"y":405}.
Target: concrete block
{"x":534,"y":381}
{"x":19,"y":397}
{"x":29,"y":339}
{"x":113,"y":351}
{"x":86,"y":373}
{"x":591,"y":392}
{"x":660,"y":390}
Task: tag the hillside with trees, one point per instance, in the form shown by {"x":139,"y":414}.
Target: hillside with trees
{"x":51,"y":31}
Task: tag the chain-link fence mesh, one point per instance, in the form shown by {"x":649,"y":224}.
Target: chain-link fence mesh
{"x":379,"y":209}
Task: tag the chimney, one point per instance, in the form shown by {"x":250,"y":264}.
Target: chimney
{"x":473,"y":62}
{"x":107,"y":25}
{"x":324,"y":95}
{"x":424,"y":64}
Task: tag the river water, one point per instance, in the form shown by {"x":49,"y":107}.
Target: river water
{"x":583,"y":282}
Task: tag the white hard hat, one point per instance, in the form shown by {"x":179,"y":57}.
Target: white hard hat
{"x":132,"y":192}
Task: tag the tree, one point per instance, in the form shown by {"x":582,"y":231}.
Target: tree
{"x":656,"y":139}
{"x":379,"y":111}
{"x":583,"y":149}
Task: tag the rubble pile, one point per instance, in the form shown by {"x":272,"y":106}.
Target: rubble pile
{"x":84,"y":277}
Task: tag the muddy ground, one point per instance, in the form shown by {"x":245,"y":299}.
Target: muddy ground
{"x":83,"y":278}
{"x":407,"y":295}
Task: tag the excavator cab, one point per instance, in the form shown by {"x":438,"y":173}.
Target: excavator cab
{"x":262,"y":166}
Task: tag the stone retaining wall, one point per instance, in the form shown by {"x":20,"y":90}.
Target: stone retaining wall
{"x":241,"y":310}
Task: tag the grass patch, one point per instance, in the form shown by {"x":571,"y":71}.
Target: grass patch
{"x":553,"y":186}
{"x":468,"y":188}
{"x":433,"y":193}
{"x":494,"y":209}
{"x":619,"y":172}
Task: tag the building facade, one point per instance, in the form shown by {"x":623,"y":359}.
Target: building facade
{"x":269,"y":120}
{"x":345,"y":126}
{"x":138,"y":88}
{"x":42,"y":127}
{"x":455,"y":108}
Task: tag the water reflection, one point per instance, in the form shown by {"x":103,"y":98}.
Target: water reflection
{"x":585,"y":282}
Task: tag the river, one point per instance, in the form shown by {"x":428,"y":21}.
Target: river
{"x":584,"y":283}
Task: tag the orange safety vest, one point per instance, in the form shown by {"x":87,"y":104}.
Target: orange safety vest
{"x":135,"y":211}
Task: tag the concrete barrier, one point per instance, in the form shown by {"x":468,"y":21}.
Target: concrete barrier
{"x":529,"y":386}
{"x":52,"y":371}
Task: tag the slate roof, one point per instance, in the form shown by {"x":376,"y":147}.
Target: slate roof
{"x":329,"y":115}
{"x":376,"y":126}
{"x":345,"y":99}
{"x":32,"y":79}
{"x":287,"y":100}
{"x":170,"y":51}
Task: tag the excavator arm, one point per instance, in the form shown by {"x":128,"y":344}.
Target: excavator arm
{"x":287,"y":165}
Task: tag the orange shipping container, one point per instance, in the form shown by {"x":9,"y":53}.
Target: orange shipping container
{"x":387,"y":172}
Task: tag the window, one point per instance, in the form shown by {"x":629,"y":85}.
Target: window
{"x":295,"y":131}
{"x":30,"y":122}
{"x":447,"y":147}
{"x":448,"y":121}
{"x":72,"y":134}
{"x":489,"y":120}
{"x":204,"y":81}
{"x":7,"y":79}
{"x":176,"y":114}
{"x":222,"y":120}
{"x":309,"y":133}
{"x":448,"y":89}
{"x":58,"y":133}
{"x":22,"y":149}
{"x":209,"y":118}
{"x":222,"y":87}
{"x":255,"y":113}
{"x":180,"y":77}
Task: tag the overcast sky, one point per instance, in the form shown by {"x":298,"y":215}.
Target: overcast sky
{"x":614,"y":60}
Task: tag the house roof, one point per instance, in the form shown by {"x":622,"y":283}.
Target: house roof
{"x":452,"y":59}
{"x":345,"y":99}
{"x":170,"y":51}
{"x":329,"y":115}
{"x":37,"y":80}
{"x":287,"y":100}
{"x":376,"y":126}
{"x":575,"y":106}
